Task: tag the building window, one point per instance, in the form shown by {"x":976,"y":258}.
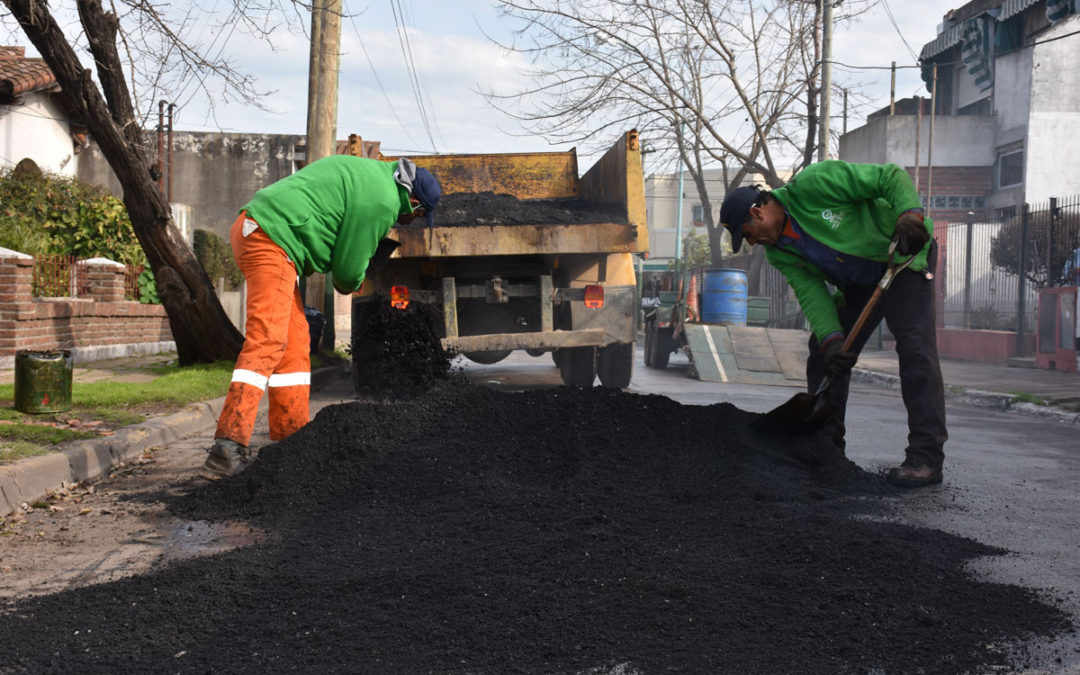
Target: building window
{"x":1010,"y":168}
{"x":697,"y":215}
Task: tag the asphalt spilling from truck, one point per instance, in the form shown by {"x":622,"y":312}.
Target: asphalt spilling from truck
{"x":466,"y":530}
{"x":396,"y":352}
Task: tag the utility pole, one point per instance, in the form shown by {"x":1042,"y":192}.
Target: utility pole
{"x":826,"y":77}
{"x":323,"y":68}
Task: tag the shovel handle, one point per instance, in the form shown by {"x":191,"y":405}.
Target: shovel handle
{"x":861,"y":321}
{"x":891,"y":271}
{"x":854,"y":333}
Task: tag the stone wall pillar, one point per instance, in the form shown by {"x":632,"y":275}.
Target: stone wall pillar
{"x":105,"y":279}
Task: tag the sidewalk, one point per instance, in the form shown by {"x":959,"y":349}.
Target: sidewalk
{"x":27,"y":480}
{"x":995,"y":385}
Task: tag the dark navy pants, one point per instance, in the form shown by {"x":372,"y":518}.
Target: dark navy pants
{"x":908,"y":310}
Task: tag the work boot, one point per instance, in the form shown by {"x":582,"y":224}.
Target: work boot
{"x":913,"y":475}
{"x":226,"y":458}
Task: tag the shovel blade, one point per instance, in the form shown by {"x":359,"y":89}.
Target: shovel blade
{"x":802,"y":414}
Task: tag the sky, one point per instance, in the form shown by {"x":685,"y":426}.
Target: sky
{"x":449,"y":46}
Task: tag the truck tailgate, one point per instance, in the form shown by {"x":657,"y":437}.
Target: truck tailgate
{"x":483,"y":240}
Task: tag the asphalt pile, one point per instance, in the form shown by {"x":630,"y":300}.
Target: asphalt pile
{"x":465,"y":530}
{"x":490,"y":208}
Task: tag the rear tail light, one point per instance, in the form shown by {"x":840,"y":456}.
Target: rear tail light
{"x":594,"y":296}
{"x":399,"y":297}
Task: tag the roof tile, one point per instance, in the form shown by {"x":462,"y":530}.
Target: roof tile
{"x":20,"y":75}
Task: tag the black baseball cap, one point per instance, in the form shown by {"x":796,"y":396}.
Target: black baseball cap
{"x":735,"y":211}
{"x":427,"y":191}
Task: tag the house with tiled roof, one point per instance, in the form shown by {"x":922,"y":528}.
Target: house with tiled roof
{"x":35,"y":120}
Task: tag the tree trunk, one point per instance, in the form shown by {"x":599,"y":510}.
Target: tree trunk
{"x":200,"y":327}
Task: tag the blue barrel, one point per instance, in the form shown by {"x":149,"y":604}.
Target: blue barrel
{"x":724,"y":297}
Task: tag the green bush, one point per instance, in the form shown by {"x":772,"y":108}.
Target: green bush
{"x":148,"y":294}
{"x":216,"y":259}
{"x":42,"y":213}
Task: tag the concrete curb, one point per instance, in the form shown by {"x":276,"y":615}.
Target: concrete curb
{"x":974,"y":397}
{"x":28,"y":480}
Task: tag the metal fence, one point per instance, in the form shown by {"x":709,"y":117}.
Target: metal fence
{"x":61,"y":276}
{"x":993,"y":271}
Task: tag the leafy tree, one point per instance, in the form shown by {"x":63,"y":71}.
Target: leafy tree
{"x":1050,"y":240}
{"x":695,"y":251}
{"x":216,"y":258}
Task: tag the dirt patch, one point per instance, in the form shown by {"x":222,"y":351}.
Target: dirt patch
{"x":489,"y":208}
{"x":558,"y":531}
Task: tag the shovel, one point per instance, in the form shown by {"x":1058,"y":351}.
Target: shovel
{"x":806,"y":412}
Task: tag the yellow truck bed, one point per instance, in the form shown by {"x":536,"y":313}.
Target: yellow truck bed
{"x":617,"y":178}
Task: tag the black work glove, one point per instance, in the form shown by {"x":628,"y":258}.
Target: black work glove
{"x":911,"y":233}
{"x":837,"y":362}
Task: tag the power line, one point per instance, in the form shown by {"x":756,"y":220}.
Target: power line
{"x":375,"y":73}
{"x":892,"y":20}
{"x":410,"y":66}
{"x":957,"y":61}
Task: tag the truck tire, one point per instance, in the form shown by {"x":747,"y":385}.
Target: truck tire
{"x":577,"y":366}
{"x":615,"y":365}
{"x":660,"y":346}
{"x":650,"y":338}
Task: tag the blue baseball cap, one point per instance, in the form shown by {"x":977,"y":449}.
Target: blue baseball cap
{"x":427,"y":191}
{"x":735,"y":211}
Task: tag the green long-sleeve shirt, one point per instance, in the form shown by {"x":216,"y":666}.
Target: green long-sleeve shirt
{"x":851,"y":208}
{"x":330,"y":215}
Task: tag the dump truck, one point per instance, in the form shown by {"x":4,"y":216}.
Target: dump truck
{"x":563,"y":286}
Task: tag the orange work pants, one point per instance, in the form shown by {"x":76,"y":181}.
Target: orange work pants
{"x":277,"y":343}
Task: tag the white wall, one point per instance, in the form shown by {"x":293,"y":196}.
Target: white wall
{"x":1052,"y":157}
{"x":958,"y":141}
{"x":1012,"y":92}
{"x":36,"y":128}
{"x":661,"y":203}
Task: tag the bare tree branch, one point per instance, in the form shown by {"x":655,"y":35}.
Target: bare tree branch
{"x":730,"y":83}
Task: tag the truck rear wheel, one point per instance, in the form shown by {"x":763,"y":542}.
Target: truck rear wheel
{"x":577,"y":366}
{"x":615,"y":365}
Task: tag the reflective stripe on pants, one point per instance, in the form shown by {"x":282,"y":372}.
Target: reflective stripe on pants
{"x":277,"y":343}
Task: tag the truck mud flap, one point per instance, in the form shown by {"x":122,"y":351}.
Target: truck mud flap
{"x":616,"y":318}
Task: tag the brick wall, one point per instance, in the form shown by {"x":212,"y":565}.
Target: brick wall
{"x":101,"y":318}
{"x":957,"y":190}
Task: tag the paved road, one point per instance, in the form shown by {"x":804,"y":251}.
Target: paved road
{"x":1011,"y":480}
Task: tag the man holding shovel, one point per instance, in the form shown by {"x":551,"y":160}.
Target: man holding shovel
{"x":841,"y":224}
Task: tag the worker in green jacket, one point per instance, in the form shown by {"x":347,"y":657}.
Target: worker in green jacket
{"x":328,"y":217}
{"x":832,"y":224}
